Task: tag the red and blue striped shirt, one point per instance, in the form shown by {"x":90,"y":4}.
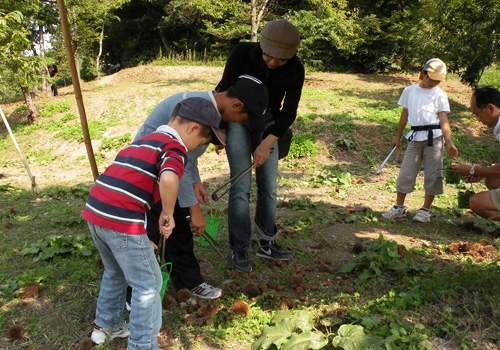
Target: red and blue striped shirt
{"x":129,"y":186}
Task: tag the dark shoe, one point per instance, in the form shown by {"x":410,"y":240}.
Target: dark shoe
{"x":271,"y":250}
{"x":240,"y":261}
{"x":495,"y":233}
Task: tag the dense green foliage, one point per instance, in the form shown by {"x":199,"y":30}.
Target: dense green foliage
{"x":345,"y":35}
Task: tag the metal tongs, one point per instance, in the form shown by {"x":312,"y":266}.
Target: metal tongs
{"x":162,"y":244}
{"x":209,"y":239}
{"x":233,"y":181}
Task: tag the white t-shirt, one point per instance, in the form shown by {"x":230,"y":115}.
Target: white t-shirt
{"x":496,"y":130}
{"x":423,"y":107}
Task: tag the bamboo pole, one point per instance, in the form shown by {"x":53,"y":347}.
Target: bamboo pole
{"x":76,"y":85}
{"x":34,"y":189}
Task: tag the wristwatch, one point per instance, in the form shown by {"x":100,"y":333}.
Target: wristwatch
{"x":472,"y":170}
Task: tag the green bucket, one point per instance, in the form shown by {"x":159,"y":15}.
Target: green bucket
{"x":463,"y":198}
{"x":452,"y":177}
{"x":211,"y":228}
{"x":166,"y":269}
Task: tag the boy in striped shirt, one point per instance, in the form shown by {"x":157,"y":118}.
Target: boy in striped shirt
{"x":145,"y":172}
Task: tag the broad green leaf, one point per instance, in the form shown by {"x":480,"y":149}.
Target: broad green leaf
{"x":366,"y":274}
{"x":347,"y":267}
{"x":301,"y":319}
{"x":276,"y":335}
{"x":305,"y":341}
{"x":353,"y":337}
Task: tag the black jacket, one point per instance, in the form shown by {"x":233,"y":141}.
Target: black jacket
{"x":284,"y":83}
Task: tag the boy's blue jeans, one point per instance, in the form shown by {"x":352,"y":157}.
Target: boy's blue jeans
{"x":129,"y":260}
{"x":240,"y":145}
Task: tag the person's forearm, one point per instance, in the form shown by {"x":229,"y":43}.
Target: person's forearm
{"x":169,"y":187}
{"x":403,"y":120}
{"x":269,"y":140}
{"x":445,"y":128}
{"x":487,"y":171}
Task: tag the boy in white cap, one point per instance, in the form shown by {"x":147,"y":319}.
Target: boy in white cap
{"x":425,"y":109}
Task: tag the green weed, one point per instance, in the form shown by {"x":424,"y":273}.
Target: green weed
{"x":20,"y":109}
{"x":301,"y":204}
{"x":40,"y":157}
{"x":115,"y":143}
{"x":96,"y":130}
{"x":50,"y":246}
{"x":380,"y":256}
{"x":343,"y":143}
{"x":50,"y":110}
{"x":303,"y":146}
{"x":68,"y":116}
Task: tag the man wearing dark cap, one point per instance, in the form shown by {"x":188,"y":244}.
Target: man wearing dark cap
{"x":274,"y":61}
{"x":244,"y":101}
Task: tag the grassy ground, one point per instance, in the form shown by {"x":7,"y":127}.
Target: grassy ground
{"x":441,"y":295}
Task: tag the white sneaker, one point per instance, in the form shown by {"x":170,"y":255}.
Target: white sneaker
{"x":395,"y":212}
{"x":422,"y":216}
{"x":100,"y":335}
{"x":206,"y":291}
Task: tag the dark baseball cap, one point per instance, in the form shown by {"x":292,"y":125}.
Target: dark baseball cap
{"x":254,"y":95}
{"x":202,"y":111}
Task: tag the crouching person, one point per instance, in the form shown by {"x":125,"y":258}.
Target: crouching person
{"x":485,"y":106}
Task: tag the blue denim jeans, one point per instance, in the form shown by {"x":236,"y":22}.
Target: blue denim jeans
{"x":129,"y":260}
{"x":240,"y":145}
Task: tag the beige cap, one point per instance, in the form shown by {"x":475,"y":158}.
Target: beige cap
{"x":436,"y":69}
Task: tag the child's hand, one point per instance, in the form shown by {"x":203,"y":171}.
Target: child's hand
{"x":166,"y":225}
{"x":396,"y":142}
{"x":201,"y":193}
{"x":452,"y":150}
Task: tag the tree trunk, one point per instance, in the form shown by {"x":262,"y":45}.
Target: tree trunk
{"x":164,"y":41}
{"x":33,"y":113}
{"x":45,"y":73}
{"x":254,"y":24}
{"x":98,"y":59}
{"x":256,"y":17}
{"x":75,"y":53}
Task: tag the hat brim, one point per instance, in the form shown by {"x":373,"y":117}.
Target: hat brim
{"x":436,"y":76}
{"x":218,"y":139}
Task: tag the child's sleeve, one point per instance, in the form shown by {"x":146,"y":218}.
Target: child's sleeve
{"x":403,"y":99}
{"x":444,"y":103}
{"x":172,"y":160}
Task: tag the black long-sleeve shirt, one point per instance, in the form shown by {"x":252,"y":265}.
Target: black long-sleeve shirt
{"x":284,"y":83}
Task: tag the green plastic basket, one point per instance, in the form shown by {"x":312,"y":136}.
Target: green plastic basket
{"x":211,"y":228}
{"x":452,"y":177}
{"x":463,"y":198}
{"x":165,"y":277}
